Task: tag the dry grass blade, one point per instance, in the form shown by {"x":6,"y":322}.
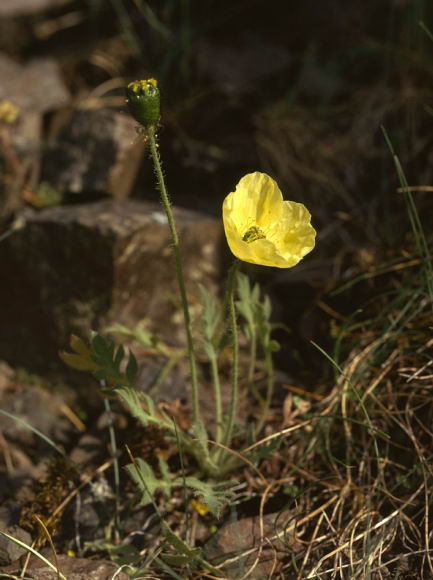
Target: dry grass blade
{"x":415,"y":188}
{"x":361,"y":536}
{"x":50,"y":541}
{"x":279,"y":535}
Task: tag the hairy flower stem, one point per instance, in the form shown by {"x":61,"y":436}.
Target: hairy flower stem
{"x":217,"y":395}
{"x":269,"y":364}
{"x":179,"y":272}
{"x":252,"y":357}
{"x":252,"y":366}
{"x":231,"y":284}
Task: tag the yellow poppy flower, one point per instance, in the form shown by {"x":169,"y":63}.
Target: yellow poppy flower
{"x":262,"y":228}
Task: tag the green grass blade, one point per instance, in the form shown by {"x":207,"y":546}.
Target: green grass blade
{"x":427,"y":30}
{"x":415,"y":221}
{"x":35,"y":431}
{"x":355,"y":391}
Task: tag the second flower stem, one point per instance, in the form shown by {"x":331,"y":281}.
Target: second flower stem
{"x":231,"y":285}
{"x":217,"y":394}
{"x":269,"y":391}
{"x":179,"y":272}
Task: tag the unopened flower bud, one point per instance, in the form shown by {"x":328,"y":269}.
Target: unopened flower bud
{"x":142,"y":98}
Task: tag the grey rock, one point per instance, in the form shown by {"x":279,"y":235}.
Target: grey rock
{"x":36,"y":86}
{"x":6,"y":376}
{"x":96,"y":150}
{"x":242,"y":538}
{"x":9,"y":515}
{"x":71,"y":568}
{"x":174,"y":385}
{"x":10,"y":8}
{"x":8,"y":68}
{"x":75,"y":268}
{"x":20,"y":19}
{"x":9,"y":550}
{"x":32,"y":406}
{"x":87,"y":450}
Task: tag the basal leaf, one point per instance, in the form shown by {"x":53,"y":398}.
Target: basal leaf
{"x":180,"y":559}
{"x":78,"y":345}
{"x":177,"y":543}
{"x":78,"y":361}
{"x":118,"y":357}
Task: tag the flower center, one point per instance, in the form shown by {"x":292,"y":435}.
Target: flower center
{"x":252,"y":234}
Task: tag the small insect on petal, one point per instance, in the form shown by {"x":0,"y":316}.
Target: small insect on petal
{"x":252,"y":234}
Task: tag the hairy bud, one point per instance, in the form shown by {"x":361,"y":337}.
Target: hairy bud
{"x":142,"y":98}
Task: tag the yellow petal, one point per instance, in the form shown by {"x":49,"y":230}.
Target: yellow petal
{"x":200,"y":508}
{"x":268,"y":253}
{"x":294,"y":235}
{"x":256,"y":201}
{"x":239,"y":248}
{"x":257,"y":205}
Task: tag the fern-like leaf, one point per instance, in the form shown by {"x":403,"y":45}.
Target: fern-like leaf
{"x":214,"y":495}
{"x":142,"y":474}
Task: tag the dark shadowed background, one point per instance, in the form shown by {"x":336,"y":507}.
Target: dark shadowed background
{"x":307,"y":91}
{"x":299,"y":90}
